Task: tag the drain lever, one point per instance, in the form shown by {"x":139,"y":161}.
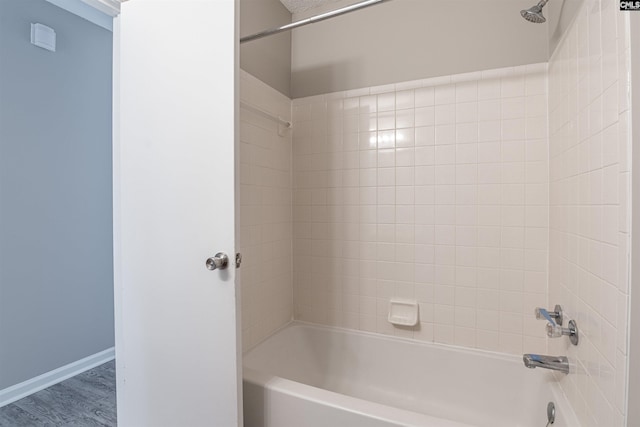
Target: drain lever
{"x":551,"y":413}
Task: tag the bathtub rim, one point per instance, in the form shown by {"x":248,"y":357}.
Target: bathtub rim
{"x":393,"y":338}
{"x":293,"y":388}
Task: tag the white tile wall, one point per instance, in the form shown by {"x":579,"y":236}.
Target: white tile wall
{"x":435,"y":190}
{"x":589,"y":224}
{"x":265,"y":212}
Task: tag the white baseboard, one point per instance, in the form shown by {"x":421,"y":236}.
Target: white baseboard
{"x":23,"y":389}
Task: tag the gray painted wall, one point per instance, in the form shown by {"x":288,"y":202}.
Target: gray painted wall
{"x":412,"y":39}
{"x":56,"y":280}
{"x":268,"y":59}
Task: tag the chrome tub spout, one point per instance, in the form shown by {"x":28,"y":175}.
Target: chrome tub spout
{"x":555,"y":363}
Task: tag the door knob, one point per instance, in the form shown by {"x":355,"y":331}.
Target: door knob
{"x":219,"y":262}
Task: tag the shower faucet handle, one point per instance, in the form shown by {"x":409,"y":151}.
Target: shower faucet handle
{"x":542,"y":313}
{"x":556,"y":331}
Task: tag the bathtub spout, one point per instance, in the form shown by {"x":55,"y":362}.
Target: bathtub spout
{"x":555,"y":363}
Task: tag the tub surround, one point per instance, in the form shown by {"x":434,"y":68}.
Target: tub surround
{"x":265,"y":212}
{"x":473,"y":194}
{"x":590,"y":146}
{"x":434,"y":190}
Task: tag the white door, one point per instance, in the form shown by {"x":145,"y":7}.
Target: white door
{"x":177,"y":346}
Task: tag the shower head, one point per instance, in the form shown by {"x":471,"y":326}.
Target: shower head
{"x":534,"y":14}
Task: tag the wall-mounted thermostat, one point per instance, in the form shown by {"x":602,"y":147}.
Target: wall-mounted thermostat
{"x":43,"y":36}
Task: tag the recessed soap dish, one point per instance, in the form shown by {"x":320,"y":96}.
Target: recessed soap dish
{"x":403,"y":312}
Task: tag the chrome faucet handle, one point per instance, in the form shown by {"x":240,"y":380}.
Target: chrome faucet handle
{"x":557,"y":331}
{"x":542,"y":313}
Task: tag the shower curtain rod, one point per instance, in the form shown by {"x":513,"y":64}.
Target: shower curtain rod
{"x":263,"y":113}
{"x":311,"y":20}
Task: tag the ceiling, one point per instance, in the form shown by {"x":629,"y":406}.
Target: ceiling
{"x":296,"y":6}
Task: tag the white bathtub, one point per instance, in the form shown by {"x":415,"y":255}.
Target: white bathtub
{"x":314,"y":376}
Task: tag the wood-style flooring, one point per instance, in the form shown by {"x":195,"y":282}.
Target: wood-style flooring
{"x":86,"y":400}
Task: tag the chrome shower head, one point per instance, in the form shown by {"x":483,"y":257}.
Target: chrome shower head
{"x":534,"y":14}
